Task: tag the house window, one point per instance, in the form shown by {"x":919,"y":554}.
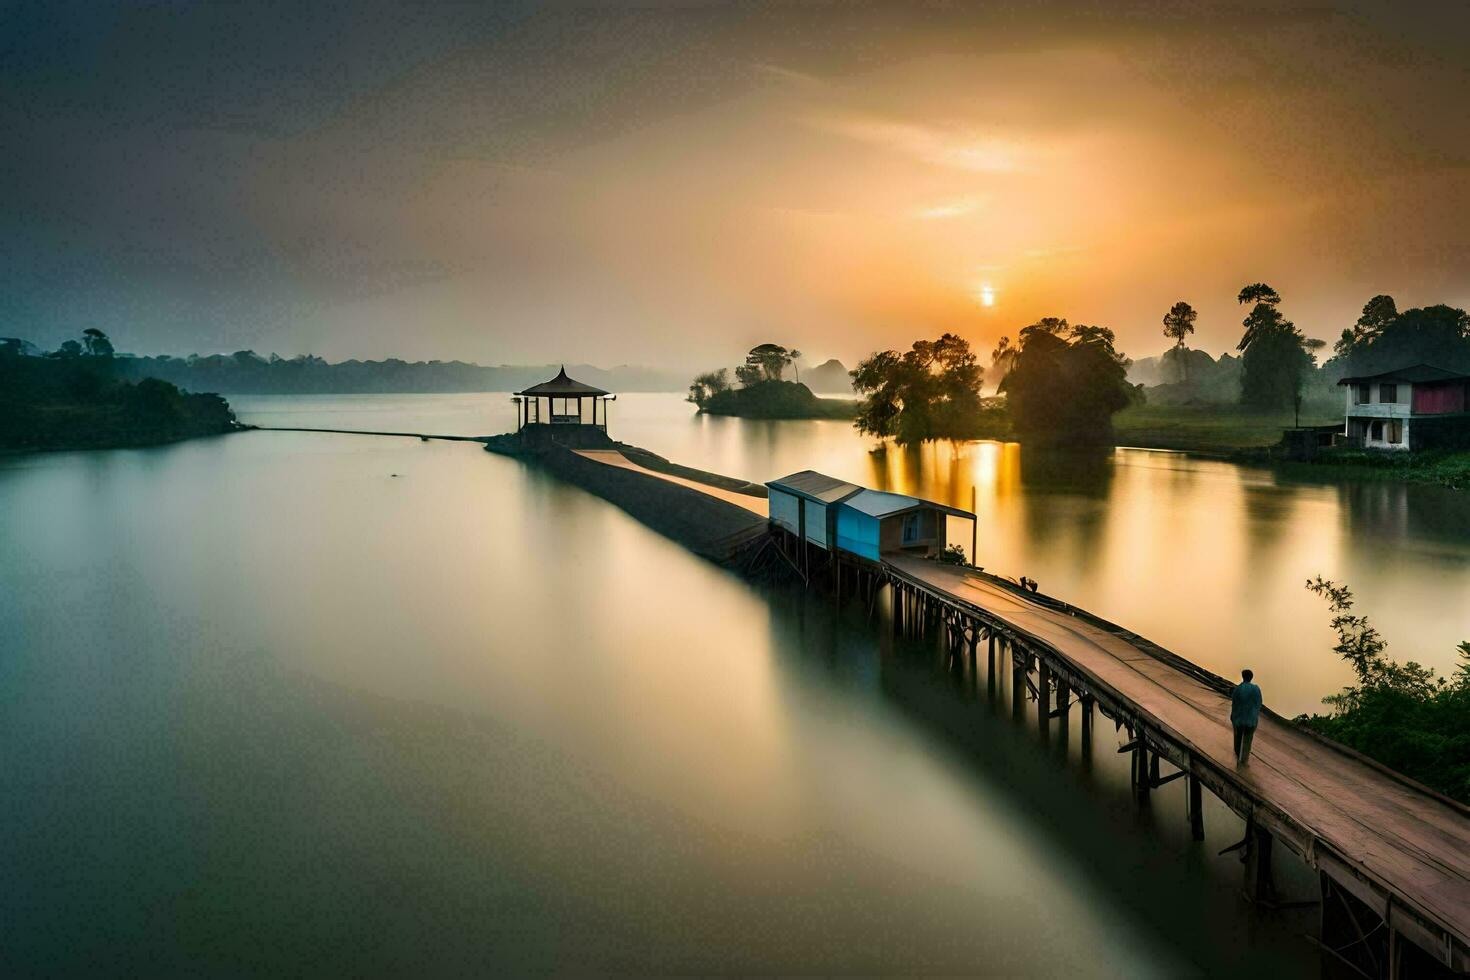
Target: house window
{"x":1392,"y":434}
{"x":1376,"y":432}
{"x":1388,"y":394}
{"x":1360,"y":394}
{"x":910,"y":528}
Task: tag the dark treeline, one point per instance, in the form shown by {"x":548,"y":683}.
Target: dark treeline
{"x":1277,"y":364}
{"x":1061,"y":385}
{"x":248,"y":373}
{"x":1384,"y":339}
{"x":76,"y":397}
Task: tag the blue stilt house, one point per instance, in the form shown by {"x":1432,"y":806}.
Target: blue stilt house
{"x":839,"y":516}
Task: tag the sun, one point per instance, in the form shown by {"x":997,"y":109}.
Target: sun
{"x":987,"y":294}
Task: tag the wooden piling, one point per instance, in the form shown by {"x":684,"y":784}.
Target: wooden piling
{"x":1259,"y":886}
{"x":1196,"y":811}
{"x":1140,"y":767}
{"x":1018,"y":684}
{"x":1043,"y":700}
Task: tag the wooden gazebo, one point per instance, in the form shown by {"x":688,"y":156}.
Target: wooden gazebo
{"x":566,"y":394}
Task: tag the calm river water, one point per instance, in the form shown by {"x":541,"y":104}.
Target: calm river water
{"x":288,"y":701}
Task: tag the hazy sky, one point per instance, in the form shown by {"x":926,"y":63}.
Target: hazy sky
{"x":670,"y":184}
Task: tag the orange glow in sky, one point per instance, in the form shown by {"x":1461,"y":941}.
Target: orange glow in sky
{"x":671,"y":184}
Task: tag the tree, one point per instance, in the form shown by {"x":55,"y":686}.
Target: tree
{"x":1002,"y":359}
{"x":1402,"y":714}
{"x":1066,"y":384}
{"x":1378,"y":313}
{"x":68,"y":348}
{"x":1178,"y":324}
{"x":793,"y":355}
{"x":1437,"y":335}
{"x":767,"y":363}
{"x":707,"y":385}
{"x":931,"y":391}
{"x":1258,"y":292}
{"x":96,"y":343}
{"x":1274,"y":358}
{"x":749,"y":375}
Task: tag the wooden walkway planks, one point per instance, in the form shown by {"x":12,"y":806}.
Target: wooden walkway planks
{"x":1415,"y":844}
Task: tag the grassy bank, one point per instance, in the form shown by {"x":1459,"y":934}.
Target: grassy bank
{"x":1217,"y":429}
{"x":1222,"y":430}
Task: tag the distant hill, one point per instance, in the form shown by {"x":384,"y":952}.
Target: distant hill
{"x":246,"y":372}
{"x":1145,"y":371}
{"x":829,"y":377}
{"x":1188,"y":377}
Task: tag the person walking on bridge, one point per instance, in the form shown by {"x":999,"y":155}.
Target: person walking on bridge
{"x":1245,"y":713}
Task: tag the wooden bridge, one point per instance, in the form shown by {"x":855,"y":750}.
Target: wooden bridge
{"x":1392,"y":857}
{"x":1380,"y":843}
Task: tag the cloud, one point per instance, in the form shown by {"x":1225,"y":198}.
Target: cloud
{"x":955,"y":208}
{"x":955,"y":148}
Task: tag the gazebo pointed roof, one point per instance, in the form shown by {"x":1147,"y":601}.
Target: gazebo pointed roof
{"x":562,"y":386}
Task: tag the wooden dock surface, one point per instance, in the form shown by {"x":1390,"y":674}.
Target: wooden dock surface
{"x":1412,"y":843}
{"x":611,"y":457}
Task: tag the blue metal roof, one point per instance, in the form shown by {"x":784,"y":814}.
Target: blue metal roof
{"x":815,"y":486}
{"x":881,"y":503}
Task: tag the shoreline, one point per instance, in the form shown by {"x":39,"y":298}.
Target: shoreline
{"x":6,"y":451}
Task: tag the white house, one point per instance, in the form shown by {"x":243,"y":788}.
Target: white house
{"x":1411,"y":408}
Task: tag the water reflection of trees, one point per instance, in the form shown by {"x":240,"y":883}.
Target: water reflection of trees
{"x":1085,"y":474}
{"x":1392,"y":510}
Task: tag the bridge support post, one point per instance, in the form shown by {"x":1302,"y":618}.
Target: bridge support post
{"x":1140,"y":767}
{"x":1259,"y":886}
{"x":1043,"y":701}
{"x":1196,"y":811}
{"x":1018,"y":683}
{"x":1087,"y":731}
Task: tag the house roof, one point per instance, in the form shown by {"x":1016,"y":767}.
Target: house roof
{"x":881,"y":503}
{"x":562,"y":386}
{"x":815,"y":486}
{"x":1414,"y":374}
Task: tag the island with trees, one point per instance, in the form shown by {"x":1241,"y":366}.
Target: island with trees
{"x":76,"y":397}
{"x":761,"y":391}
